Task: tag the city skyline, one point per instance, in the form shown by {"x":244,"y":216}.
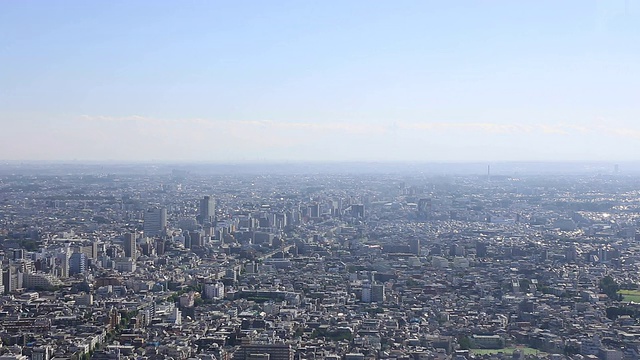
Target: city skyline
{"x":318,"y":266}
{"x":330,"y":81}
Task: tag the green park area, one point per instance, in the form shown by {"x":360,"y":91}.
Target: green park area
{"x":525,"y":350}
{"x":630,"y":295}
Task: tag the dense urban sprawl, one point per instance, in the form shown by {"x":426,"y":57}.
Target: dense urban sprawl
{"x":185,"y":265}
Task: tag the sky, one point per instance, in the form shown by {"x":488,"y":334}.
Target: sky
{"x":355,"y":80}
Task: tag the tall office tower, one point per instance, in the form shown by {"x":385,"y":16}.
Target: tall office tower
{"x":377,"y":293}
{"x":155,"y":221}
{"x":366,"y":293}
{"x":91,"y":249}
{"x":77,"y":263}
{"x":207,"y":211}
{"x":146,"y":247}
{"x":196,"y":238}
{"x":414,"y":245}
{"x":160,"y":247}
{"x":481,"y":249}
{"x":424,"y":209}
{"x":130,"y":245}
{"x":64,"y":261}
{"x":357,"y":211}
{"x":187,"y":240}
{"x":280,"y":220}
{"x":18,"y":254}
{"x":208,"y":230}
{"x":6,"y":279}
{"x":314,"y":210}
{"x":12,"y":278}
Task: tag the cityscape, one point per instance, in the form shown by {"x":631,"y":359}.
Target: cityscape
{"x":155,"y":262}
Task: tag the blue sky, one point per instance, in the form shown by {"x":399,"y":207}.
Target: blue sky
{"x":232,"y":81}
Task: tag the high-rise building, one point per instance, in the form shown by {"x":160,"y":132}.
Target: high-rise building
{"x":147,"y":247}
{"x":11,"y":279}
{"x":187,"y":240}
{"x":18,"y":254}
{"x":130,"y":245}
{"x":357,"y":211}
{"x":160,"y":247}
{"x":366,"y":293}
{"x":281,"y":220}
{"x":64,"y":261}
{"x":414,"y":246}
{"x":207,"y":210}
{"x":196,"y":238}
{"x":155,"y":221}
{"x":425,"y":209}
{"x":91,"y":249}
{"x":377,"y":293}
{"x":77,"y":263}
{"x":7,"y":274}
{"x":481,"y":249}
{"x":314,"y":210}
